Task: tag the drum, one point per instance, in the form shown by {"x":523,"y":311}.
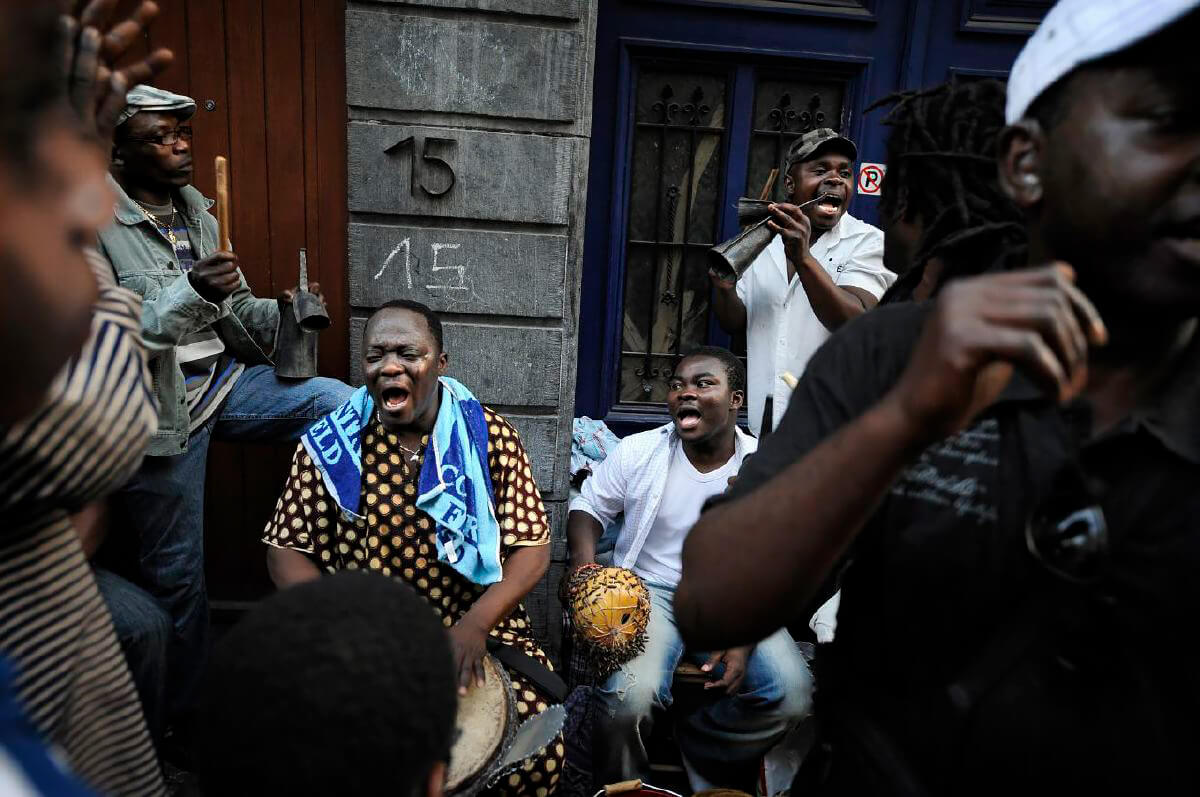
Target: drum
{"x":488,"y":745}
{"x":483,"y":728}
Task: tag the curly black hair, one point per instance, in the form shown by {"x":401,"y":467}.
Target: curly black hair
{"x":343,"y":685}
{"x":735,"y":371}
{"x":943,"y":170}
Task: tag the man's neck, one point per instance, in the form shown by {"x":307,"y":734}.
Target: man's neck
{"x":708,"y":455}
{"x":145,"y":194}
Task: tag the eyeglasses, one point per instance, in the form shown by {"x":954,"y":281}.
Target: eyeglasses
{"x":167,"y":139}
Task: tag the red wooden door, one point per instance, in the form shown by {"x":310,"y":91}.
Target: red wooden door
{"x":269,"y":80}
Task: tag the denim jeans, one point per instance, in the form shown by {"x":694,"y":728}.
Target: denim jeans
{"x":722,"y":739}
{"x":164,"y":504}
{"x":143,"y":628}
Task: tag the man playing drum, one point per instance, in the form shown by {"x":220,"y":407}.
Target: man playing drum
{"x":660,"y":479}
{"x":414,"y":479}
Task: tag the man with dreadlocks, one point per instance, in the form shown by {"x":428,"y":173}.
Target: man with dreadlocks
{"x":824,"y":268}
{"x":942,"y":208}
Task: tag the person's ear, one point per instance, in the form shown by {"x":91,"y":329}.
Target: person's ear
{"x":436,"y":785}
{"x":789,"y":185}
{"x":736,"y":399}
{"x":1022,"y":159}
{"x":443,"y":362}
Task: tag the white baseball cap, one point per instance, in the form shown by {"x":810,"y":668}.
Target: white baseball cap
{"x":1075,"y":32}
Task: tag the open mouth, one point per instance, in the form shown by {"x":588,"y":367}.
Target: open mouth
{"x":830,"y":204}
{"x":394,"y":398}
{"x":688,"y":418}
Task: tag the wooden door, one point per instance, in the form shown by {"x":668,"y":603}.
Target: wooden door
{"x":269,"y":80}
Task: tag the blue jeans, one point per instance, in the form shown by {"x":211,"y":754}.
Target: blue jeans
{"x":164,"y":504}
{"x":723,"y":736}
{"x":143,"y":628}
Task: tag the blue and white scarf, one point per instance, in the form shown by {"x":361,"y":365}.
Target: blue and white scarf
{"x":454,"y":487}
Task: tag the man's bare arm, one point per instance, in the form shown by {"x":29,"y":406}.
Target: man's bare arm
{"x":583,"y":531}
{"x":833,"y":304}
{"x":288,"y":567}
{"x":727,"y":305}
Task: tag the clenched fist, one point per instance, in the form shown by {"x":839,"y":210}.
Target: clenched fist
{"x":216,"y":276}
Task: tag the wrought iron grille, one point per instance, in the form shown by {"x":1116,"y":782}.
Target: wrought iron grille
{"x":784,"y":109}
{"x":678,"y":163}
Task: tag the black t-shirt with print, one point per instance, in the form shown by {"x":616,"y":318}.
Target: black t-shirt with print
{"x":1089,"y":686}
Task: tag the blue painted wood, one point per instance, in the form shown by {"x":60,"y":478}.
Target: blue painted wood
{"x":880,"y":47}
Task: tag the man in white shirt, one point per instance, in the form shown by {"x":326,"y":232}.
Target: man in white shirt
{"x":660,"y":480}
{"x":824,"y":268}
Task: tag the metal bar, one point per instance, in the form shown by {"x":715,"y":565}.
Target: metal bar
{"x":676,"y":243}
{"x":658,"y":200}
{"x":700,"y":128}
{"x":687,"y":226}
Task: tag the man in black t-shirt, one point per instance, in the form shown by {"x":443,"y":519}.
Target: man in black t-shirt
{"x":1007,"y":478}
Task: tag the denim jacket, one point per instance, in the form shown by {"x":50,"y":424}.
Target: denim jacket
{"x":144,"y":261}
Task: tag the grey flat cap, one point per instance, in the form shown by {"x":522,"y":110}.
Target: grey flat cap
{"x":823,"y":138}
{"x":147,"y":98}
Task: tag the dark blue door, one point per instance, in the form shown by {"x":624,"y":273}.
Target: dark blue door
{"x":695,"y":102}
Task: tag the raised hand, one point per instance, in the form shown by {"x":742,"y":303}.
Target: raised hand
{"x":984,"y":327}
{"x":790,"y":222}
{"x":96,"y":88}
{"x":216,"y":276}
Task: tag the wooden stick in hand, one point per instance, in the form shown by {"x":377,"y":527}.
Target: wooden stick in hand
{"x":223,"y":242}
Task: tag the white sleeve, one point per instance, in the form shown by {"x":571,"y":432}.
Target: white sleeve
{"x":602,"y":494}
{"x":864,"y":269}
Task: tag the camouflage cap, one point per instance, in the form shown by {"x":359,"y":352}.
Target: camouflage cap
{"x":807,"y":146}
{"x":148,"y":98}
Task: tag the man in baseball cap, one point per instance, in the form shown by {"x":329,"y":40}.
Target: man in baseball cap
{"x":212,"y":376}
{"x":1005,"y":480}
{"x":825,"y":268}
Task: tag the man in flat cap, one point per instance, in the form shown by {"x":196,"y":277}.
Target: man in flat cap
{"x":824,"y":268}
{"x":209,"y":337}
{"x":1005,"y":478}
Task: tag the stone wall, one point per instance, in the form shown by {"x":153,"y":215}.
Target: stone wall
{"x":468,"y":131}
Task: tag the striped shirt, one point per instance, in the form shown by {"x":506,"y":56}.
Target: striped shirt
{"x":208,"y":372}
{"x":85,"y":440}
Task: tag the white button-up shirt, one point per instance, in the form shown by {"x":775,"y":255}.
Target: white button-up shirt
{"x":782,"y":331}
{"x":631,"y":480}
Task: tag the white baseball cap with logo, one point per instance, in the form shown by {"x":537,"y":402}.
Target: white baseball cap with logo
{"x":1075,"y":32}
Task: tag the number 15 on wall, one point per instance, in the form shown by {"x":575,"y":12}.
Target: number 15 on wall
{"x":421,"y":169}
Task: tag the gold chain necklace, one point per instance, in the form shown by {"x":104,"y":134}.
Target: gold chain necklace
{"x":165,"y":230}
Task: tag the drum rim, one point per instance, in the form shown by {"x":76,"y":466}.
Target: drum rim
{"x":479,"y":781}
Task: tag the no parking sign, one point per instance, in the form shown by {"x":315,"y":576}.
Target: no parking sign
{"x":870,"y":178}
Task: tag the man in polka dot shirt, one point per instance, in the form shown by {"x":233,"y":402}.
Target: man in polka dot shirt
{"x":403,"y":357}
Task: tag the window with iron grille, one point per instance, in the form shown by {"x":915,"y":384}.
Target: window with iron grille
{"x":679,"y":170}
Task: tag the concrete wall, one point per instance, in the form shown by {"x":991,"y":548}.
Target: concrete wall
{"x":469,"y":123}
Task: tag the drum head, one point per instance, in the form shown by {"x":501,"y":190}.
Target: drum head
{"x":486,"y":719}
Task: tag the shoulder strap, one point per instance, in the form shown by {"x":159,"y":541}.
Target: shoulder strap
{"x":542,"y":677}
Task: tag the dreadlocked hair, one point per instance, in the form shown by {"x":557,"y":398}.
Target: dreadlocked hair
{"x":942,"y":169}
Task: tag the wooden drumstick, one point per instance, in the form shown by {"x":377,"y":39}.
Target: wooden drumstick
{"x":789,"y":380}
{"x":223,"y":241}
{"x":622,"y":787}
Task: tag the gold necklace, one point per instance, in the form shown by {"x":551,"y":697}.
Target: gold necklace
{"x":164,"y":230}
